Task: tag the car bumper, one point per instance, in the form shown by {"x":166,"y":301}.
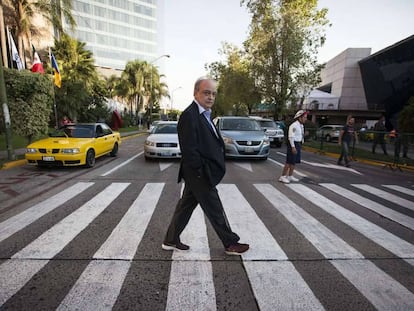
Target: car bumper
{"x":55,"y":159}
{"x":160,"y":153}
{"x":259,"y":152}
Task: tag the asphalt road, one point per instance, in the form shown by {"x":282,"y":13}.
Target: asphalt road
{"x":89,"y":239}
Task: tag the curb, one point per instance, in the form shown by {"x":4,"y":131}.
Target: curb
{"x":371,"y":162}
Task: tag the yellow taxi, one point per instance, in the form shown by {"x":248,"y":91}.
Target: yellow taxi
{"x":74,"y":145}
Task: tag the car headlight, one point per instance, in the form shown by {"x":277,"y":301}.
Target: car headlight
{"x":266,"y":141}
{"x":228,"y":140}
{"x":71,"y":150}
{"x":31,"y":150}
{"x":150,"y":143}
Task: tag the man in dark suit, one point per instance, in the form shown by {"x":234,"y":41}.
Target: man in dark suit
{"x":202,"y":168}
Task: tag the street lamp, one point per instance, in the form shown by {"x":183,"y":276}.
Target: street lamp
{"x":152,"y":71}
{"x":172,"y":96}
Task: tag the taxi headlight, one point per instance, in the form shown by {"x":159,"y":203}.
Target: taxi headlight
{"x":31,"y":150}
{"x":70,"y":150}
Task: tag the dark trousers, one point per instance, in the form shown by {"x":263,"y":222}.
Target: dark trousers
{"x":210,"y":202}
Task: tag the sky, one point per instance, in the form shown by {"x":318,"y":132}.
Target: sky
{"x":195,"y":29}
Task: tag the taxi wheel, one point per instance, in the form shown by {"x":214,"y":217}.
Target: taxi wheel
{"x":90,"y":158}
{"x":114,"y":150}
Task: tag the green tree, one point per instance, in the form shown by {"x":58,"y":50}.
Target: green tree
{"x":283,"y":42}
{"x":237,"y":93}
{"x":30,"y":99}
{"x":82,"y":91}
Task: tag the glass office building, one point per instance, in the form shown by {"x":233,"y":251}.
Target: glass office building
{"x":117,"y":31}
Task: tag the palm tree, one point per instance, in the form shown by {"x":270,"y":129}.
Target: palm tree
{"x":19,"y":15}
{"x":80,"y":78}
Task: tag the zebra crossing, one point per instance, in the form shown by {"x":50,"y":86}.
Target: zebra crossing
{"x":276,"y":279}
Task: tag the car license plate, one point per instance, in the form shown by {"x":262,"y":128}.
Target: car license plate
{"x":48,"y":158}
{"x":248,"y":150}
{"x":166,"y":153}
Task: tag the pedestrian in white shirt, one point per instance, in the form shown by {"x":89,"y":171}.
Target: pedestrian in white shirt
{"x":296,"y":135}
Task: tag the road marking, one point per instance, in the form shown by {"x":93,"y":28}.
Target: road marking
{"x":244,"y":220}
{"x":378,"y":287}
{"x":386,"y":196}
{"x":20,"y":221}
{"x":52,"y":242}
{"x":165,"y":165}
{"x":101,"y":282}
{"x":372,"y":205}
{"x":55,"y":239}
{"x":387,"y":240}
{"x":400,"y":189}
{"x":277,"y":285}
{"x":125,"y":238}
{"x":332,"y":166}
{"x":327,"y":242}
{"x":191,"y":285}
{"x":271,"y":281}
{"x":246,"y":165}
{"x":122,"y":164}
{"x":98,"y":287}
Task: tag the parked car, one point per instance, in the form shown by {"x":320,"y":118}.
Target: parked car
{"x":163,"y":141}
{"x":272,"y":130}
{"x":73,"y":145}
{"x":328,"y":132}
{"x":243,"y":137}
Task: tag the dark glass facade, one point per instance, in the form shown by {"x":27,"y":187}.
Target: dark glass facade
{"x":388,"y":78}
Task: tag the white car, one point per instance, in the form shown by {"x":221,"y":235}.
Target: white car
{"x":163,"y":141}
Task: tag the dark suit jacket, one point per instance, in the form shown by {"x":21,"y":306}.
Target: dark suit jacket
{"x":202,"y":151}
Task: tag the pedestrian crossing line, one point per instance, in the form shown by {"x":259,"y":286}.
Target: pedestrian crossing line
{"x":52,"y":242}
{"x":25,"y":218}
{"x":192,"y":285}
{"x":372,"y":205}
{"x":401,"y":189}
{"x":380,"y":289}
{"x":56,"y":238}
{"x":385,"y":239}
{"x":98,"y":287}
{"x":262,"y":271}
{"x":277,"y":285}
{"x":386,"y":196}
{"x":101,"y":282}
{"x":125,"y":238}
{"x":327,"y":242}
{"x":244,"y":220}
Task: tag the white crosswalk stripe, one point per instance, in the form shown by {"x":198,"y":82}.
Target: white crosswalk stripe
{"x":275,"y":281}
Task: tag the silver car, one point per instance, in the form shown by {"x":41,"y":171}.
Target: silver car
{"x":328,"y":132}
{"x":163,"y":141}
{"x":243,"y":137}
{"x":275,"y":133}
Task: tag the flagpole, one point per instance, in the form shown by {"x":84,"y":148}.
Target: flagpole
{"x":54,"y":95}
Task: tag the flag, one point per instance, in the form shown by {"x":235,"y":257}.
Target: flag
{"x":56,"y":72}
{"x":15,"y":54}
{"x":37,"y":64}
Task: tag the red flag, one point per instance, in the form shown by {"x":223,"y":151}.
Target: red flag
{"x":37,"y":64}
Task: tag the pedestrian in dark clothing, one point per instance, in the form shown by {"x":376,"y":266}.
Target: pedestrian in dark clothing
{"x":379,"y":135}
{"x":202,"y":168}
{"x":346,"y":136}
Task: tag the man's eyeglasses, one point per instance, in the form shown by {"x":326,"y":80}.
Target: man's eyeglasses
{"x":209,"y":93}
